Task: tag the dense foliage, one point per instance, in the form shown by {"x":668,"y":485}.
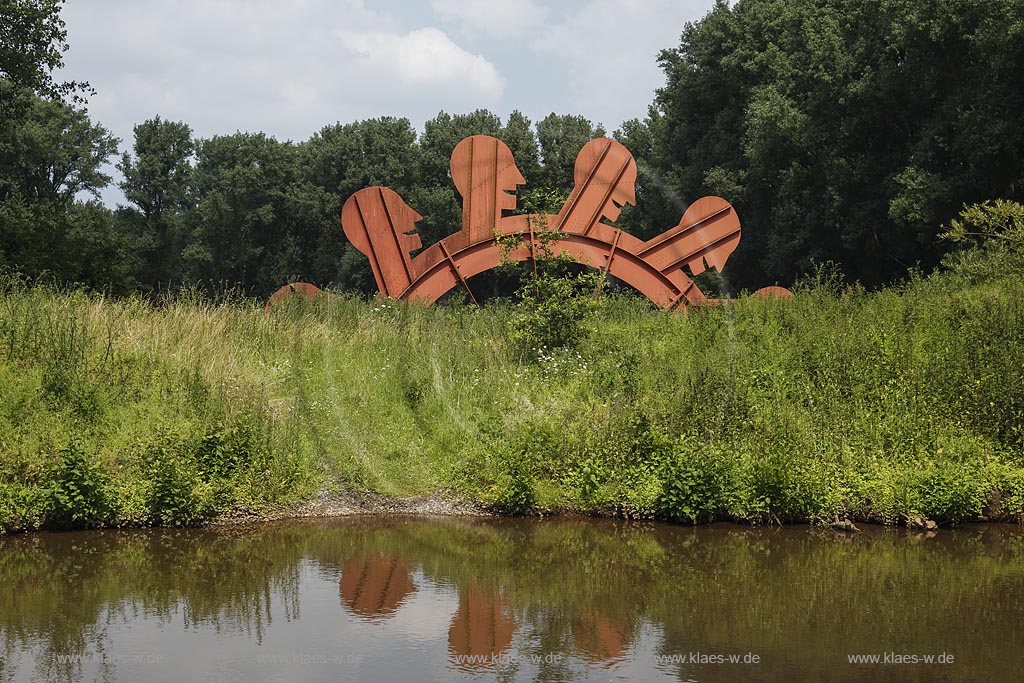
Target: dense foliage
{"x":32,"y":42}
{"x":842,"y":130}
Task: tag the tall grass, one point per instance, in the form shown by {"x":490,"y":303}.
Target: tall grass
{"x":839,"y":402}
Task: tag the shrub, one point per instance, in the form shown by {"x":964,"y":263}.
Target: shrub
{"x":78,"y":494}
{"x":951,"y":492}
{"x":514,"y":490}
{"x":176,"y":495}
{"x":552,"y":312}
{"x":695,"y":483}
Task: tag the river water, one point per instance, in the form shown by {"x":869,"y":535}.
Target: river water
{"x":564,"y":599}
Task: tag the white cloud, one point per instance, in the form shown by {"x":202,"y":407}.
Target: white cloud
{"x":280,"y":68}
{"x":264,"y":65}
{"x":425,"y":57}
{"x":499,"y":18}
{"x":608,"y":51}
{"x":220,"y":65}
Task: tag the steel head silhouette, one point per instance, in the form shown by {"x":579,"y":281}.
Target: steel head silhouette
{"x":705,"y":236}
{"x":379,"y":223}
{"x":715,"y":257}
{"x":485,"y":174}
{"x":716,"y":230}
{"x":605,"y":180}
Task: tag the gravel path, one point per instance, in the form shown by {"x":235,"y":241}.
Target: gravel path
{"x":329,"y":504}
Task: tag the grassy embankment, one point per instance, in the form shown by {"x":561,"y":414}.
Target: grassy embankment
{"x":876,"y":406}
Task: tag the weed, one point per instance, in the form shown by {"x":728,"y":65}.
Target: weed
{"x":78,"y":491}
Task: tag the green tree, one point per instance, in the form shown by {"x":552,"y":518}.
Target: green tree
{"x":844,"y":130}
{"x":561,"y":137}
{"x":157,"y":172}
{"x":32,"y":42}
{"x":157,"y":176}
{"x":49,"y":156}
{"x":241,"y":230}
{"x":52,"y":153}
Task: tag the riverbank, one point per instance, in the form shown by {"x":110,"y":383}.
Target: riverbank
{"x":325,"y":505}
{"x":839,"y":403}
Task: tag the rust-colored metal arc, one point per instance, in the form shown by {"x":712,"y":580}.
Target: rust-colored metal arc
{"x":773,"y":292}
{"x":667,"y":290}
{"x":299,"y":289}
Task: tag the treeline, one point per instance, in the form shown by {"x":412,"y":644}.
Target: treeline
{"x":842,"y":130}
{"x":242,"y":210}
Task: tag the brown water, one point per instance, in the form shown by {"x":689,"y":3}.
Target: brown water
{"x":511,"y":600}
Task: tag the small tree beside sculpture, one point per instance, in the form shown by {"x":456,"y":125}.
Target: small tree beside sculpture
{"x":378,"y":222}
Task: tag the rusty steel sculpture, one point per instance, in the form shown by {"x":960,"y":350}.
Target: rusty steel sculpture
{"x":378,"y":222}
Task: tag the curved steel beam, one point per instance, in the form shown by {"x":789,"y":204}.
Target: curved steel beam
{"x":451,"y":268}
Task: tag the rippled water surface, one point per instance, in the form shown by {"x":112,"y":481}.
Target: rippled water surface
{"x":512,"y":600}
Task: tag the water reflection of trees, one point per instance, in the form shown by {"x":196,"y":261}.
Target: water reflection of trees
{"x":571,"y":586}
{"x":69,"y":587}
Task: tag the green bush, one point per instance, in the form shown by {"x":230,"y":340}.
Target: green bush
{"x":552,"y":312}
{"x":227,"y":448}
{"x":79,"y":490}
{"x":23,"y":507}
{"x":953,"y":492}
{"x":990,"y":237}
{"x":989,"y":220}
{"x":176,"y":495}
{"x":1010,"y":489}
{"x":514,"y":490}
{"x":696,"y":483}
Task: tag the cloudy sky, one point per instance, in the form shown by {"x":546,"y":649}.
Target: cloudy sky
{"x":289,"y":68}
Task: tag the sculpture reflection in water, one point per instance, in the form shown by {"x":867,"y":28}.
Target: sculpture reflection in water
{"x":600,"y":639}
{"x":481,"y":630}
{"x":379,"y":223}
{"x":374,"y":587}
